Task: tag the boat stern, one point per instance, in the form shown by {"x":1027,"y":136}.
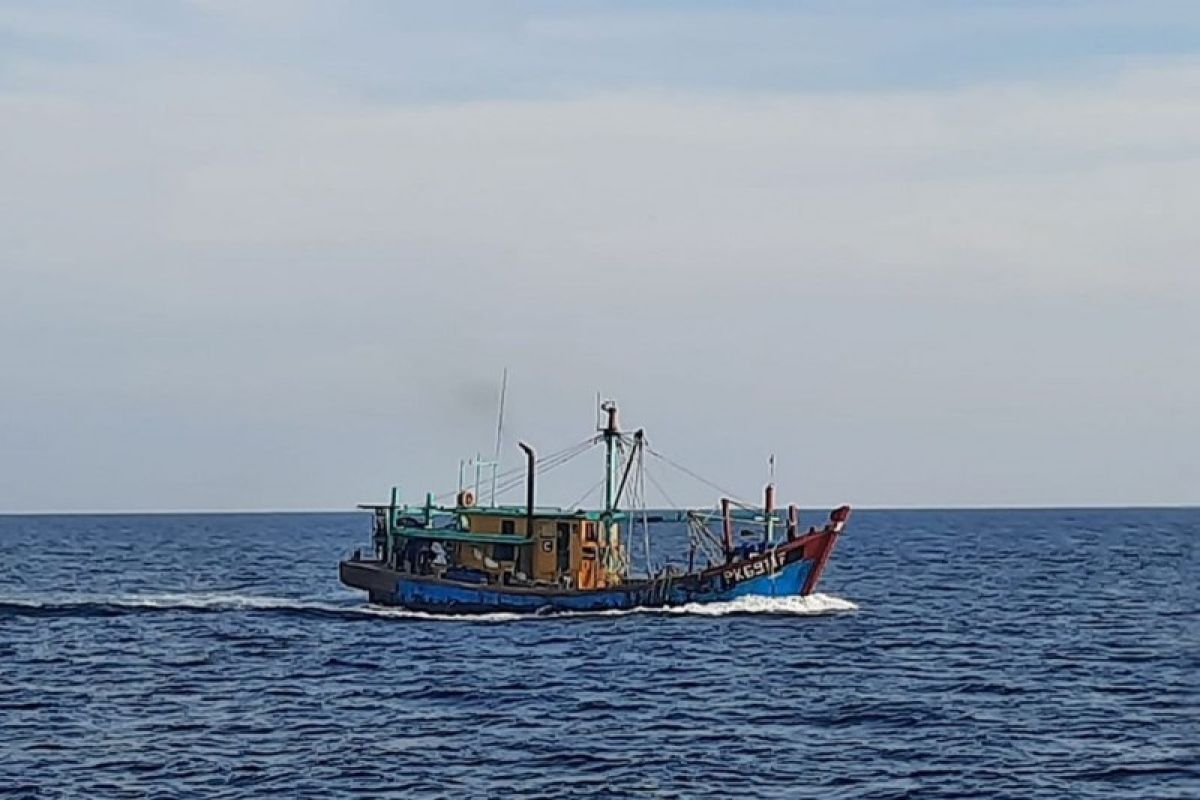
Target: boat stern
{"x":373,"y":577}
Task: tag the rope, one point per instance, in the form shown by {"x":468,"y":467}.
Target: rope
{"x":641,"y":490}
{"x":661,"y":490}
{"x":513,"y":477}
{"x":704,"y":539}
{"x":545,"y":465}
{"x":711,"y":515}
{"x":701,"y":478}
{"x":595,"y":487}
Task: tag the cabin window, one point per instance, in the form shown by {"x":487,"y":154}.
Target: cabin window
{"x":508,"y":527}
{"x":589,"y":532}
{"x":504,"y":552}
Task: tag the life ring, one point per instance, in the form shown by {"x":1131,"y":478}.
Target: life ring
{"x":466,"y":498}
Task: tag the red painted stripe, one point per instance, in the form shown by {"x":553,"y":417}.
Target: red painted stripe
{"x":831,"y":538}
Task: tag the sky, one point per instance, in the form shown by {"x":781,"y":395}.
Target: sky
{"x":276,"y":254}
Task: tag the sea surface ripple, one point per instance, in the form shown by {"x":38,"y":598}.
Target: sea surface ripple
{"x":1032,"y":654}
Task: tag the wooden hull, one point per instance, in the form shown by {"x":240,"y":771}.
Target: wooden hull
{"x":791,"y":568}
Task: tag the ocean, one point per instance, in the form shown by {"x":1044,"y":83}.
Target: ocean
{"x":1009,"y":653}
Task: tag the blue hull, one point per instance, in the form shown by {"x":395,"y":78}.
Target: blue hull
{"x":439,"y":596}
{"x":430,"y":594}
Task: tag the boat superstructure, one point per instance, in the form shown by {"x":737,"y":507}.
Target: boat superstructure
{"x":462,"y":557}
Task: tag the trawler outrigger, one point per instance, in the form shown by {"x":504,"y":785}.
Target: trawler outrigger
{"x":470,"y":559}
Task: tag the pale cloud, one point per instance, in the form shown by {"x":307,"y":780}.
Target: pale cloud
{"x":230,"y":285}
{"x":1055,"y":186}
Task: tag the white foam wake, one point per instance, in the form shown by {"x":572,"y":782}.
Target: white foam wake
{"x":232,"y":601}
{"x":204,"y":600}
{"x":219,"y":601}
{"x":813,"y":604}
{"x":816,"y":604}
{"x":165,"y":600}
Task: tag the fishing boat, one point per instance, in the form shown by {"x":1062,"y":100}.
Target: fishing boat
{"x":465,"y":557}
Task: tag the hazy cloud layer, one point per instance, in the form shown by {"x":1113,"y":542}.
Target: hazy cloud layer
{"x":253,"y":258}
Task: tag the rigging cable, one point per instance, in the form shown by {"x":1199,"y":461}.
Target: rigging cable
{"x":701,"y":478}
{"x":661,"y":490}
{"x":542,"y":468}
{"x":641,"y":491}
{"x":515,"y":476}
{"x":586,"y":495}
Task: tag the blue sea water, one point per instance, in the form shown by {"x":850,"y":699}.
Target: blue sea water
{"x":1030,"y":654}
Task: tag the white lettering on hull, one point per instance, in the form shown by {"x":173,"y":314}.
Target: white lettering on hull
{"x":736,"y":573}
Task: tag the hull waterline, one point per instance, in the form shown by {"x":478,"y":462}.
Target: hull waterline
{"x":790,"y":569}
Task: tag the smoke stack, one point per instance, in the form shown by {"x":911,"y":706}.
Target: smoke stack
{"x":531,"y":468}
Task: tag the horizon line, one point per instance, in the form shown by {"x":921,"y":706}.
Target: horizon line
{"x":352,"y":510}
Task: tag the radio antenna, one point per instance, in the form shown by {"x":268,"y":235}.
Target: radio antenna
{"x":499,"y":432}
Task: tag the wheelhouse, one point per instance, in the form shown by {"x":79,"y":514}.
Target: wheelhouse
{"x":504,"y":545}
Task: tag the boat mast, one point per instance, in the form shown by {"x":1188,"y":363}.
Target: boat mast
{"x":611,"y":436}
